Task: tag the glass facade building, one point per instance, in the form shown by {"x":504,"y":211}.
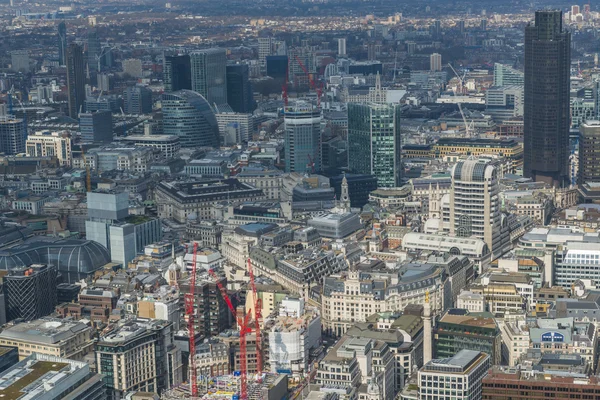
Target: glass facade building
{"x":302,"y":138}
{"x":177,"y":73}
{"x":13,"y":134}
{"x":374,"y":142}
{"x":239,"y":89}
{"x":75,"y":79}
{"x":547,"y":95}
{"x":188,"y":115}
{"x":62,"y":43}
{"x":209,"y":77}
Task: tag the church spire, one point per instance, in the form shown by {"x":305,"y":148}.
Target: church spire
{"x":345,"y":196}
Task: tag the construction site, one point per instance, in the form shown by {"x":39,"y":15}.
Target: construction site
{"x":267,"y":386}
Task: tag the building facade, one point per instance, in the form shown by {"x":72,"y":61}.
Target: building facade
{"x":50,"y":144}
{"x":75,"y":79}
{"x":302,"y":138}
{"x":209,"y":74}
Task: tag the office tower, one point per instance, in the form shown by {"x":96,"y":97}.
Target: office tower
{"x":62,"y":43}
{"x":110,"y":225}
{"x":589,"y":152}
{"x":435,"y":62}
{"x":374,"y":142}
{"x":507,"y":76}
{"x":94,"y":50}
{"x":177,"y":73}
{"x":239,"y":89}
{"x":574,"y":10}
{"x":139,"y":355}
{"x":19,"y":60}
{"x":504,"y":102}
{"x":106,"y":57}
{"x":342,"y":47}
{"x":133,"y":67}
{"x":475,"y":205}
{"x":277,"y":66}
{"x":209,"y":74}
{"x":75,"y":79}
{"x":265,"y":48}
{"x":96,"y":127}
{"x":13,"y":133}
{"x":30,"y":292}
{"x":302,"y":138}
{"x":437,"y":26}
{"x":188,"y":115}
{"x":104,"y":82}
{"x":461,"y":26}
{"x":138,"y":100}
{"x":547,"y":92}
{"x":45,"y":144}
{"x":483,"y":24}
{"x":458,"y":377}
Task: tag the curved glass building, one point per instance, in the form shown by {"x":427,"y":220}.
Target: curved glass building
{"x":188,"y":115}
{"x":74,"y":258}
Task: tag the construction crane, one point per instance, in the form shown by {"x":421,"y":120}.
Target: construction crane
{"x":313,"y":85}
{"x":462,"y":113}
{"x":189,"y":311}
{"x":244,"y":330}
{"x":284,"y":87}
{"x":257,"y":321}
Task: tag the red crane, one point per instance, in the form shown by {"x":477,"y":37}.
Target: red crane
{"x":189,"y":311}
{"x":244,"y":330}
{"x":257,"y":320}
{"x":313,"y":85}
{"x":284,"y":87}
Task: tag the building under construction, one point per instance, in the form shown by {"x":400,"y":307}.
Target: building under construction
{"x":227,"y":387}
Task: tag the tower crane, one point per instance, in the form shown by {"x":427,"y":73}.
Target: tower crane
{"x":313,"y":85}
{"x":468,"y":131}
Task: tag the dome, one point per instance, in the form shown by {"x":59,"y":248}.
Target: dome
{"x":192,"y":216}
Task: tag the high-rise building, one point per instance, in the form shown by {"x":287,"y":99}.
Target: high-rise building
{"x":374,"y":141}
{"x":239,"y":89}
{"x":209,"y":74}
{"x":177,"y":73}
{"x":547,"y":93}
{"x":265,"y":48}
{"x":302,"y":138}
{"x":75,"y":79}
{"x":507,"y":76}
{"x":589,"y":152}
{"x":277,"y":66}
{"x":138,"y":100}
{"x":13,"y":133}
{"x":461,"y":26}
{"x":435,"y":62}
{"x":19,"y":60}
{"x":62,"y":43}
{"x":188,"y":115}
{"x":54,"y":144}
{"x":139,"y":355}
{"x":458,"y":377}
{"x":483,"y":24}
{"x":96,"y":127}
{"x":94,"y":50}
{"x":30,"y":292}
{"x":342,"y":47}
{"x":475,"y":204}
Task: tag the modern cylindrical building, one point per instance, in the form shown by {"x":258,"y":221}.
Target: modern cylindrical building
{"x":302,"y":138}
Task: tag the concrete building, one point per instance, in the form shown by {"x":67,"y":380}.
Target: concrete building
{"x":138,"y":100}
{"x":168,"y":145}
{"x":50,"y":336}
{"x":117,"y":157}
{"x":336,"y":226}
{"x":475,"y":205}
{"x":50,"y":144}
{"x":435,"y":62}
{"x":472,"y":302}
{"x":515,"y":340}
{"x":358,"y":365}
{"x":265,"y":48}
{"x":354,"y":296}
{"x":302,"y":138}
{"x":32,"y":204}
{"x":47,"y":377}
{"x":270,"y":181}
{"x":139,"y":355}
{"x":504,"y":102}
{"x":242,"y":121}
{"x":466,"y":370}
{"x":20,"y":61}
{"x":293,"y":337}
{"x":507,"y":76}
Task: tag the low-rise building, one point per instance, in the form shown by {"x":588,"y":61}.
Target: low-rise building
{"x":472,"y":302}
{"x":53,"y":144}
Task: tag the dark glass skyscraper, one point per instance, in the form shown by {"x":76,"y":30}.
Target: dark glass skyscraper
{"x":209,"y":74}
{"x":62,"y":43}
{"x":547,"y":87}
{"x":177,"y":73}
{"x":374,"y":142}
{"x":75,"y":79}
{"x":239,"y":89}
{"x":94,"y":51}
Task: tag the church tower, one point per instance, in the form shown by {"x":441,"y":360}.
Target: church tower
{"x":345,"y":196}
